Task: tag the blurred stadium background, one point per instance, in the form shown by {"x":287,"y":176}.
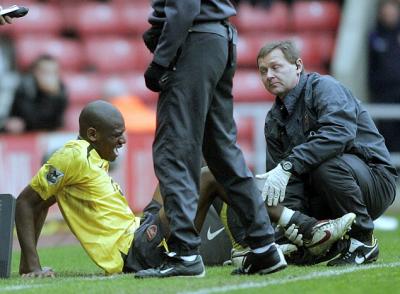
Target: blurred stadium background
{"x":95,"y":41}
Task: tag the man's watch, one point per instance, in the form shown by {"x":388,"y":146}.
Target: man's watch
{"x":287,"y":166}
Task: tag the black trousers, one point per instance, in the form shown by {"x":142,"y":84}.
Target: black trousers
{"x":340,"y":185}
{"x":195,"y":116}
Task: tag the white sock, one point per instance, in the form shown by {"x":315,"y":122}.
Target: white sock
{"x":188,"y":257}
{"x":262,"y":249}
{"x":286,"y":215}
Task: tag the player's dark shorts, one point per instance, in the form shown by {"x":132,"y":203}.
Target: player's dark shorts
{"x":215,"y":245}
{"x":146,"y":251}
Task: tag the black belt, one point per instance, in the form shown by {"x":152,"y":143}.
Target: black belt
{"x":221,"y":28}
{"x":214,"y":27}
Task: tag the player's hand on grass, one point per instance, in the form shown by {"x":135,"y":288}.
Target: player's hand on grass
{"x":23,"y":264}
{"x":46,"y":272}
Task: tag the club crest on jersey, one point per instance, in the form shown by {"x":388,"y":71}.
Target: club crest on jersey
{"x":53,"y":175}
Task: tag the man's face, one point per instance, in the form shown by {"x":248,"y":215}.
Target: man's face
{"x":46,"y":69}
{"x":389,"y":15}
{"x":278,"y":75}
{"x":47,"y":76}
{"x":110,"y":138}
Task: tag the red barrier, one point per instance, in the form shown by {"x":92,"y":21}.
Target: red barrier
{"x":140,"y":180}
{"x":21,"y":156}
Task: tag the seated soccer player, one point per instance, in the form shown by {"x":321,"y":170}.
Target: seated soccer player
{"x":93,"y":205}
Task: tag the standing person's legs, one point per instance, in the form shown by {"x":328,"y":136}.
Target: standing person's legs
{"x":181,"y":114}
{"x":226,"y":162}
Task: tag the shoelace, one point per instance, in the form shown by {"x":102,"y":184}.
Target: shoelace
{"x":321,"y":224}
{"x":328,"y":224}
{"x":170,"y":262}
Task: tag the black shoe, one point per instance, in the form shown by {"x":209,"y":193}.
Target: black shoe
{"x":302,"y":257}
{"x":263,"y":263}
{"x":175,"y":267}
{"x":357,"y":253}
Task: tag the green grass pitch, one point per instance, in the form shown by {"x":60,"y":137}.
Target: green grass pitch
{"x":76,"y":273}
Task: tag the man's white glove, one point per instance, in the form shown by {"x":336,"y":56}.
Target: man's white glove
{"x":275,"y":185}
{"x":292,"y":233}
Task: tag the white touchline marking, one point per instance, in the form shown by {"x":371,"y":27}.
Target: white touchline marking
{"x":20,"y":287}
{"x":61,"y":280}
{"x":247,"y":285}
{"x":286,"y":280}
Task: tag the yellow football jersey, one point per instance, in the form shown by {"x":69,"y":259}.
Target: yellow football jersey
{"x":91,"y":202}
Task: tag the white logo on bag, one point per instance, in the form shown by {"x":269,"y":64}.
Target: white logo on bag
{"x":212,"y":235}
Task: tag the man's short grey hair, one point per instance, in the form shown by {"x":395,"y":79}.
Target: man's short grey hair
{"x":287,"y":47}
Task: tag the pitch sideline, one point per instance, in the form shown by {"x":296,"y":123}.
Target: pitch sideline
{"x":247,"y":285}
{"x":286,"y":280}
{"x":67,"y":279}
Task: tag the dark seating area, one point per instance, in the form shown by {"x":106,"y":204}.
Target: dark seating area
{"x":94,"y":40}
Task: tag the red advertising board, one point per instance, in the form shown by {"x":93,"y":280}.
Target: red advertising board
{"x":21,"y":157}
{"x":140,"y":180}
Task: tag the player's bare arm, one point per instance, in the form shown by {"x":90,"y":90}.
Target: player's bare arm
{"x":210,"y":188}
{"x":31,"y":212}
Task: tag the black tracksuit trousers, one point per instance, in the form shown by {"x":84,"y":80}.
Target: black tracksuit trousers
{"x":340,"y":185}
{"x":195,"y":118}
